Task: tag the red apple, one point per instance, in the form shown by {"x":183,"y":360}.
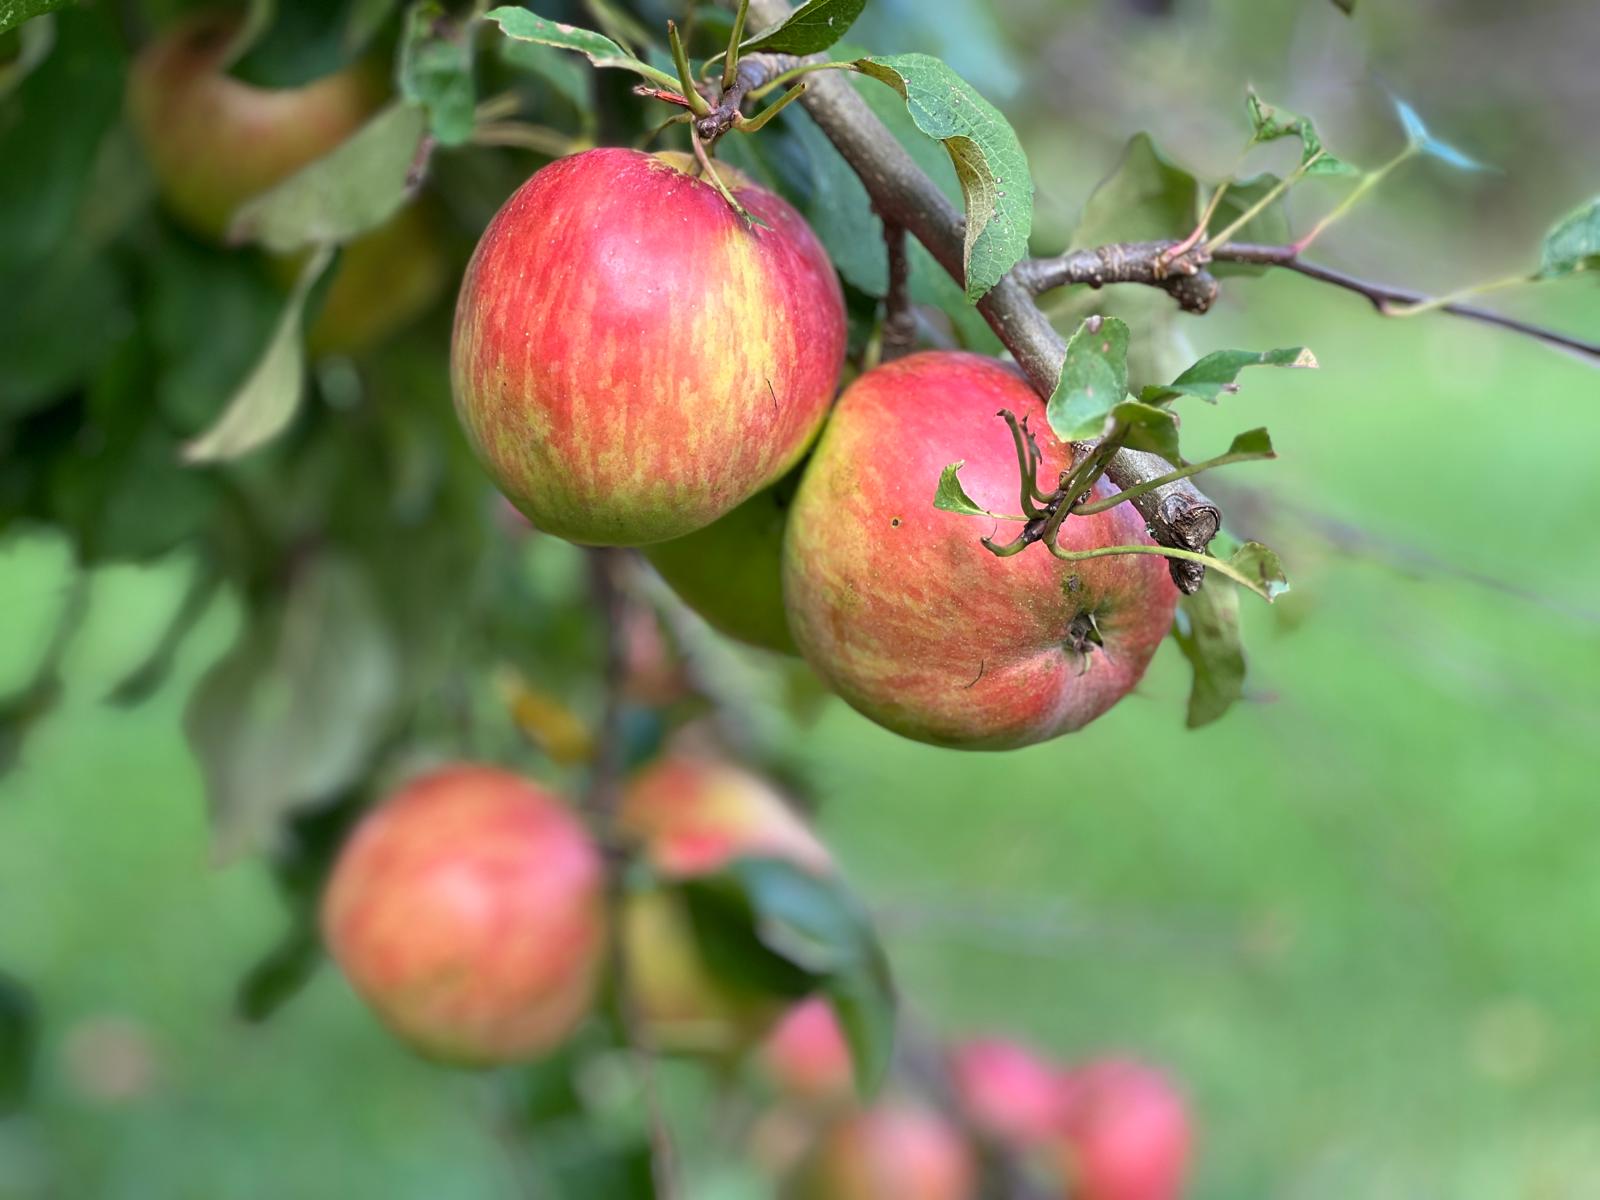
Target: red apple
{"x":692,"y":816}
{"x":1127,"y":1132}
{"x":901,"y":611}
{"x":214,"y":141}
{"x":632,"y":359}
{"x":1007,"y":1091}
{"x":731,"y":572}
{"x":806,"y":1056}
{"x":469,"y":912}
{"x":894,"y":1151}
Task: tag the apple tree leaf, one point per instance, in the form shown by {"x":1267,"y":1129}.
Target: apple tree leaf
{"x":436,"y":70}
{"x":952,"y":497}
{"x":600,"y":50}
{"x":1094,"y":380}
{"x":15,"y":12}
{"x":269,"y":397}
{"x":1268,"y":124}
{"x":358,"y":186}
{"x":1218,"y":372}
{"x":1206,"y":629}
{"x":995,"y":183}
{"x":1149,"y":428}
{"x":810,"y":29}
{"x":1573,"y":244}
{"x":1419,"y":137}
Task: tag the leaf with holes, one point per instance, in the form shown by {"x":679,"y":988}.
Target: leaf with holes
{"x":600,"y":50}
{"x":436,"y":71}
{"x":989,"y":161}
{"x":1419,"y":137}
{"x":1573,"y":245}
{"x":810,"y":29}
{"x":1218,"y":372}
{"x":270,"y":395}
{"x":1094,"y":380}
{"x":1268,"y":124}
{"x":357,"y":187}
{"x":1207,"y":631}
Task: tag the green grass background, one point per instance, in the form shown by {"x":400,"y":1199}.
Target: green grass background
{"x":1358,"y":917}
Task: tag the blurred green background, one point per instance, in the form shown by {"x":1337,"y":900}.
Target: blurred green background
{"x":1357,"y":917}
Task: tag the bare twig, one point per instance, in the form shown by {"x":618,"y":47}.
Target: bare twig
{"x":899,"y":322}
{"x":1182,"y":273}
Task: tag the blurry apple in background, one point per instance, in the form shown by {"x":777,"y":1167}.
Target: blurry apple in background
{"x":1008,"y":1091}
{"x":893,"y":1151}
{"x":469,"y":911}
{"x":1126,"y":1131}
{"x":214,"y":142}
{"x":806,"y":1056}
{"x":692,"y":816}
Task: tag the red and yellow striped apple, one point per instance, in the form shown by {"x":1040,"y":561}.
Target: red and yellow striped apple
{"x":632,"y":359}
{"x":469,"y":911}
{"x":901,"y":610}
{"x":895,"y":1149}
{"x":692,"y":816}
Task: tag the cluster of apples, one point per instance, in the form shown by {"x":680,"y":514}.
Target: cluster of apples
{"x":471,"y":910}
{"x":636,"y":363}
{"x":1103,"y":1129}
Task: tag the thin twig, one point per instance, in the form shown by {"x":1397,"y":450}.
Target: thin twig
{"x":899,"y":322}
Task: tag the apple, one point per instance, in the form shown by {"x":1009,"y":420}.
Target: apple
{"x":895,"y":1149}
{"x":1126,"y":1132}
{"x":692,"y":816}
{"x":632,"y":359}
{"x":213,"y":141}
{"x":806,"y":1056}
{"x":469,"y":911}
{"x":901,"y":611}
{"x":1008,"y":1091}
{"x":731,"y":572}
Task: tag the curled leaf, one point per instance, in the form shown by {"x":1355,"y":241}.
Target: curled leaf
{"x":1218,"y":372}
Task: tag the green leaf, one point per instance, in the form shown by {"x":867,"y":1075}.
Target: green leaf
{"x":436,"y":71}
{"x":1094,"y":380}
{"x":1417,"y":133}
{"x":1150,"y":428}
{"x":357,"y":187}
{"x":600,"y":50}
{"x":996,"y":186}
{"x":293,"y":712}
{"x":1207,"y":631}
{"x":1267,"y":124}
{"x":1217,"y":372}
{"x":952,"y":497}
{"x":1260,"y":570}
{"x":19,"y":1042}
{"x":270,"y":395}
{"x":34,"y":43}
{"x":1252,"y":443}
{"x":561,"y":71}
{"x":823,"y":937}
{"x":810,"y":29}
{"x":15,"y":12}
{"x":1573,"y":244}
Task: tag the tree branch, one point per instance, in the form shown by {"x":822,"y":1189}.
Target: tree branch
{"x":1178,"y":514}
{"x":899,"y":322}
{"x":1184,"y":276}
